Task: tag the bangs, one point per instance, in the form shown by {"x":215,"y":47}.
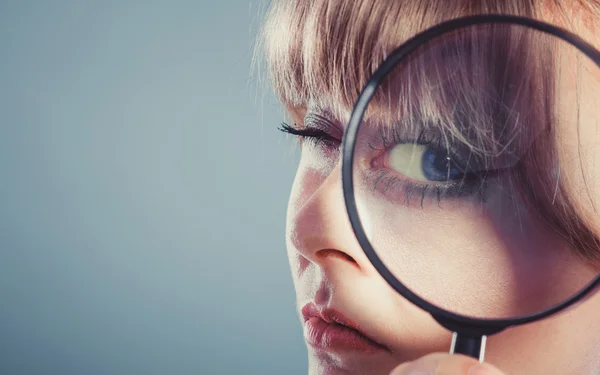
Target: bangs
{"x":476,"y":87}
{"x":488,"y":87}
{"x":322,"y":52}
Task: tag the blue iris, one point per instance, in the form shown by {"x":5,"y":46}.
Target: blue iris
{"x":438,"y":166}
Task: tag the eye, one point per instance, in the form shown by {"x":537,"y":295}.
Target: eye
{"x":317,"y":137}
{"x":424,"y":163}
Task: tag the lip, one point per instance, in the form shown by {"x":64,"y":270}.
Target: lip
{"x":329,"y":330}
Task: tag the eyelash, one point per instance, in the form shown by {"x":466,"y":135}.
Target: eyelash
{"x":317,"y":136}
{"x":385,"y":180}
{"x":381,"y":176}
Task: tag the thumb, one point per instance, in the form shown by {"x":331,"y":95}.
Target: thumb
{"x":446,"y":364}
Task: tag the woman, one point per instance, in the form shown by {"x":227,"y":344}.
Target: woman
{"x":320,"y":54}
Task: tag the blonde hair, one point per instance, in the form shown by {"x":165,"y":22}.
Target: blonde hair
{"x":323,"y":52}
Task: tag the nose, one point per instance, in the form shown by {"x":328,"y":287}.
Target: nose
{"x":318,"y":225}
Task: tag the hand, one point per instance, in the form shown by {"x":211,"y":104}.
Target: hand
{"x":446,"y":364}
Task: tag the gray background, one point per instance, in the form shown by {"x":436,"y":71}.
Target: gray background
{"x":143,"y":187}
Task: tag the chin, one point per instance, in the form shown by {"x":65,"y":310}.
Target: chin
{"x":327,"y":363}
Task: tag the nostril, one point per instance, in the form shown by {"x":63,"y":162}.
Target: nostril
{"x":328,"y":253}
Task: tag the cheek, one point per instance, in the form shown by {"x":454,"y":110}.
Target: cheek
{"x":488,"y":263}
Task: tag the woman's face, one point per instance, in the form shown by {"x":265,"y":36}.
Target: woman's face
{"x":482,"y":257}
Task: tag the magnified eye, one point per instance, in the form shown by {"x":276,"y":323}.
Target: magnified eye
{"x":423,"y":163}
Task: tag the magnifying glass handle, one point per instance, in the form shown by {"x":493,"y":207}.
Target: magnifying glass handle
{"x":468,"y":345}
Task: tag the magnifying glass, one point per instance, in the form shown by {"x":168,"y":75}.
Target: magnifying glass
{"x":453,"y":172}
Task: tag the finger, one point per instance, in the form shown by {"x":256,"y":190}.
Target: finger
{"x":446,"y":364}
{"x":437,"y":364}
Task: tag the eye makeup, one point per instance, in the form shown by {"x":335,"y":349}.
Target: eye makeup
{"x":317,"y":137}
{"x":318,"y":131}
{"x":429,"y":170}
{"x":322,"y":135}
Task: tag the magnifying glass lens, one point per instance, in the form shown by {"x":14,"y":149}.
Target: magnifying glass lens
{"x":469,"y":165}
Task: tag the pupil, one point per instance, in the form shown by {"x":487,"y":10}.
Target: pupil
{"x":438,"y":166}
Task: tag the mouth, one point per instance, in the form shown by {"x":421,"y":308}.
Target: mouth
{"x":327,"y":329}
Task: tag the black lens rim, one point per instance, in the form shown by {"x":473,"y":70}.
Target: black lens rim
{"x":457,"y":322}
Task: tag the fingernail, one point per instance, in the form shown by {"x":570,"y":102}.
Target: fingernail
{"x":483,"y":369}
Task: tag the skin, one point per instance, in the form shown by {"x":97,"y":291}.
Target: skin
{"x":330,"y":269}
{"x":444,"y":364}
